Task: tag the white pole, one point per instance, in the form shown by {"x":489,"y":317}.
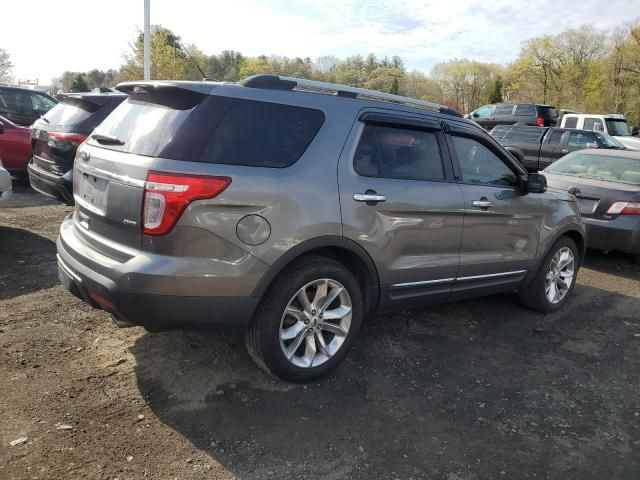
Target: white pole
{"x":147,"y":50}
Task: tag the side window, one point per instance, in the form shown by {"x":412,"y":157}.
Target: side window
{"x":593,"y":124}
{"x":580,"y":140}
{"x":556,"y":137}
{"x":484,"y":111}
{"x":262,"y":134}
{"x":571,"y":122}
{"x":526,"y":110}
{"x":503,"y":110}
{"x":480,"y":165}
{"x":392,"y":152}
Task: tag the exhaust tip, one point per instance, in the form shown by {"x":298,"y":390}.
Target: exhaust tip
{"x":121,"y":322}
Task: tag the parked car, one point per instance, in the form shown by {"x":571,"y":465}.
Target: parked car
{"x":5,"y":184}
{"x":24,"y":106}
{"x":15,"y":147}
{"x":607,"y":186}
{"x":536,"y":148}
{"x":488,"y":116}
{"x":613,"y":124}
{"x":56,"y":136}
{"x":278,"y":207}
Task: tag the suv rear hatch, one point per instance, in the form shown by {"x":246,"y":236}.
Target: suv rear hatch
{"x":56,"y":136}
{"x":549,"y":116}
{"x":112,"y":167}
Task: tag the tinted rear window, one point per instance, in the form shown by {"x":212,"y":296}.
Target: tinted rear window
{"x":262,"y":134}
{"x":503,"y":110}
{"x":67,"y":114}
{"x":522,"y":110}
{"x":571,"y":122}
{"x":547,"y":112}
{"x":147,"y":122}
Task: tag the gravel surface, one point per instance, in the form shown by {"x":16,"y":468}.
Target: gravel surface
{"x":482,"y":389}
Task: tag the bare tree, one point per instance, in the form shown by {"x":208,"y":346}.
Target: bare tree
{"x":6,"y":67}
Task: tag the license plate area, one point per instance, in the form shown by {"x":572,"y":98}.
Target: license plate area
{"x":92,"y":191}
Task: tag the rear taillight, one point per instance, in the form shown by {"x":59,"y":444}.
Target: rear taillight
{"x":58,"y":139}
{"x":166,"y":195}
{"x":540,"y":122}
{"x":624,"y":208}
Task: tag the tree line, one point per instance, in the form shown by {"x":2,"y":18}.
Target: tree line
{"x":581,"y":69}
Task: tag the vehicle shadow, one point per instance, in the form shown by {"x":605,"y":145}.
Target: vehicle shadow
{"x":477,"y":389}
{"x":27,"y":262}
{"x":25,"y":196}
{"x":612,"y":263}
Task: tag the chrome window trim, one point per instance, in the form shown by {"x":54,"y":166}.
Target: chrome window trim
{"x":106,"y":175}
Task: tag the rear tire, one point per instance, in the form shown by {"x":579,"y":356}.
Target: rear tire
{"x":557,"y":274}
{"x":307,"y":321}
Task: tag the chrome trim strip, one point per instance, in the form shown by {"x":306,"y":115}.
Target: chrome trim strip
{"x":88,"y":206}
{"x":42,"y":172}
{"x":491,"y":275}
{"x":67,"y":270}
{"x":106,"y":175}
{"x":426,"y":282}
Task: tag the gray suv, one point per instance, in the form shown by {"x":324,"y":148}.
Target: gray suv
{"x":293,"y":209}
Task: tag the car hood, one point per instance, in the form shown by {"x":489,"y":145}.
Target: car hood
{"x":629,"y":142}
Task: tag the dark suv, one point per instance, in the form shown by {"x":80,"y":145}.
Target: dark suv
{"x":293,"y":209}
{"x":24,"y":106}
{"x":56,"y":136}
{"x":488,"y":116}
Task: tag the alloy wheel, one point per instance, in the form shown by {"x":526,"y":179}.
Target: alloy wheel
{"x":560,"y":275}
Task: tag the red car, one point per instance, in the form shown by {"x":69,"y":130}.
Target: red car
{"x":15,"y":147}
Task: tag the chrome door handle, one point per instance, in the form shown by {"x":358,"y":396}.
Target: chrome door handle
{"x":369,"y":197}
{"x":483,"y":204}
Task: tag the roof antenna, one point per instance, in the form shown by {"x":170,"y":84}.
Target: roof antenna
{"x":204,"y":76}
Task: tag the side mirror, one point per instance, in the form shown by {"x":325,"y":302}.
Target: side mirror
{"x":536,"y":183}
{"x":593,"y":145}
{"x":475,"y":115}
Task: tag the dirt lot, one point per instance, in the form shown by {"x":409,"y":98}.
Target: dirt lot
{"x":476,"y":390}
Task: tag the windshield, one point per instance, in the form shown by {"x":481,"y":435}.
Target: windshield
{"x":618,"y":127}
{"x":608,"y":141}
{"x":600,"y":167}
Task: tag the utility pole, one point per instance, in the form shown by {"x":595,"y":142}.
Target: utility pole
{"x":147,"y":50}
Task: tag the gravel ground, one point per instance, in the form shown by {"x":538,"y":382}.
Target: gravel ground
{"x":482,"y":389}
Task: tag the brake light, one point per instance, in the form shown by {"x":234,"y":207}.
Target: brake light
{"x":540,"y":122}
{"x":624,"y":208}
{"x":73,"y":138}
{"x":166,"y":195}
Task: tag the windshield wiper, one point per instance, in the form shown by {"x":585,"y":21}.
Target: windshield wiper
{"x":106,"y":138}
{"x":44,"y":119}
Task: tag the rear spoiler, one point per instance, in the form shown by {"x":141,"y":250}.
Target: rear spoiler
{"x":130,"y":88}
{"x":88,"y":100}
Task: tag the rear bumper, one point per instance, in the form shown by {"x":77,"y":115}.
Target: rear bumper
{"x":155,"y":312}
{"x":621,"y":234}
{"x":58,"y":187}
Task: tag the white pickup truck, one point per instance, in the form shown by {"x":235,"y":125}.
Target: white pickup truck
{"x":613,"y":124}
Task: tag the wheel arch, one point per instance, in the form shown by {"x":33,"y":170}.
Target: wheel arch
{"x":346,"y":251}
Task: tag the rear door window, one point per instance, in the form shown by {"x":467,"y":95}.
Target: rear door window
{"x":590,"y":124}
{"x":526,"y":110}
{"x":556,"y":137}
{"x":503,"y":110}
{"x":396,"y":152}
{"x":262,"y":134}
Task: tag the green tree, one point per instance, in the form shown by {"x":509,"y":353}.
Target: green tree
{"x":495,"y":96}
{"x":79,"y":84}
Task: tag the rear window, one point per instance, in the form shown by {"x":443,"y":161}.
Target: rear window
{"x":147,"y":122}
{"x":547,"y":112}
{"x":262,"y":134}
{"x":68,"y":114}
{"x":601,"y":167}
{"x":526,"y":110}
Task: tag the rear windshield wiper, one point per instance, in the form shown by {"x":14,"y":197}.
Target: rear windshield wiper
{"x":44,"y":119}
{"x":106,"y":138}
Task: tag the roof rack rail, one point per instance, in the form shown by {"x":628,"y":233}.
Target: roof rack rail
{"x":276,"y":82}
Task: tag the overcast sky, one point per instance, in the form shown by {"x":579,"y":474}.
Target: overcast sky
{"x":46,"y":37}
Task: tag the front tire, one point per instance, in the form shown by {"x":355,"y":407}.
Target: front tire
{"x":555,"y":280}
{"x":307,"y":321}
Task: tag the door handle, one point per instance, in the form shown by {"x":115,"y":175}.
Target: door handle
{"x":369,"y":197}
{"x":482,"y":204}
